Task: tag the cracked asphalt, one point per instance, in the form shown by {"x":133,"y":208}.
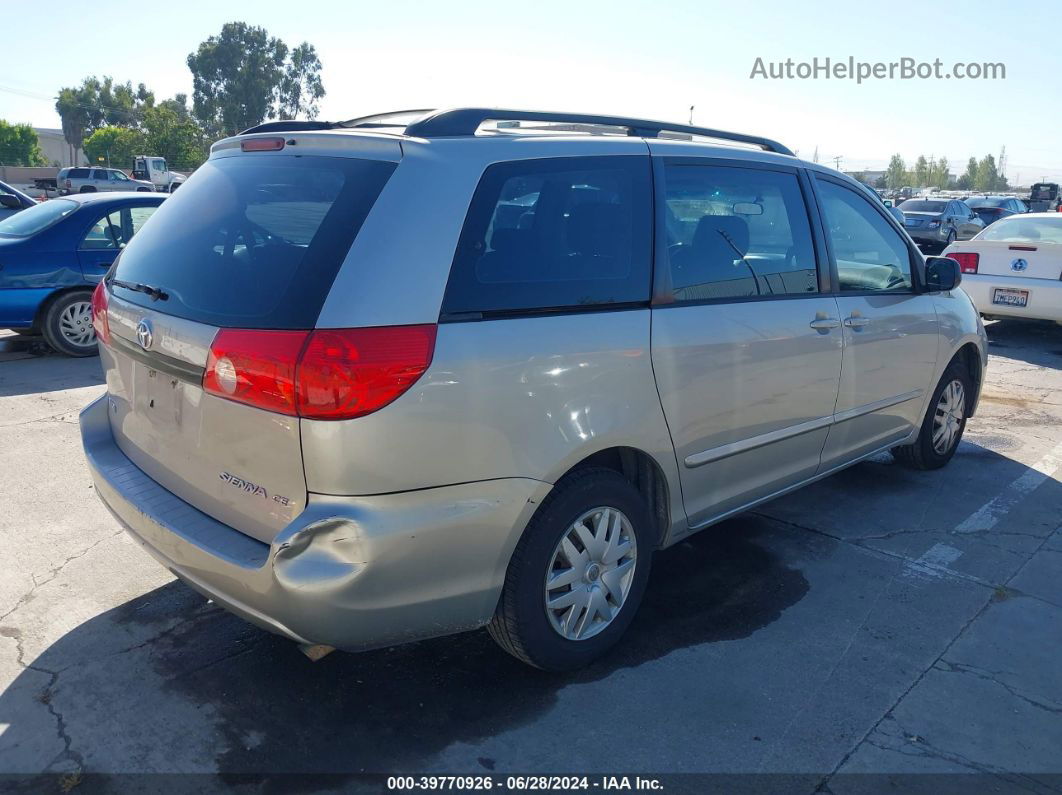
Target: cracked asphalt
{"x":882,"y":621}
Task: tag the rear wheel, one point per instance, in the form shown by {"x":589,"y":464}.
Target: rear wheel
{"x":67,"y":324}
{"x":944,"y":423}
{"x":87,"y":189}
{"x":578,"y":573}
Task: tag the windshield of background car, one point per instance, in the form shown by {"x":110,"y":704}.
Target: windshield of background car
{"x":253,"y":241}
{"x":1017,"y":228}
{"x":915,"y":206}
{"x":37,"y":218}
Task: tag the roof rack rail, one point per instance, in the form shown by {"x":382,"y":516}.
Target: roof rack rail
{"x":466,"y":121}
{"x":288,"y":126}
{"x":382,"y":119}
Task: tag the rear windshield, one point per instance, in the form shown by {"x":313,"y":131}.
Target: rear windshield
{"x":253,"y":241}
{"x":986,"y":202}
{"x":1019,"y":229}
{"x":913,"y":206}
{"x":36,"y":218}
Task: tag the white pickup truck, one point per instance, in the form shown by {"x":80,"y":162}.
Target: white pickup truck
{"x":154,"y":170}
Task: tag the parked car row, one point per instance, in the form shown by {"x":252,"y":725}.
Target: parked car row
{"x":395,"y":379}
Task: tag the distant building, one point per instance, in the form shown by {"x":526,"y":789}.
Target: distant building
{"x":56,"y":150}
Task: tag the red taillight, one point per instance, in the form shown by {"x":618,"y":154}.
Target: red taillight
{"x":346,"y":373}
{"x":262,"y":145}
{"x":255,"y":367}
{"x":328,"y":374}
{"x":100,"y":322}
{"x":967,"y":260}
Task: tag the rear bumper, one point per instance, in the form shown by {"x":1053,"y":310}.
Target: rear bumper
{"x":1045,"y":296}
{"x":927,"y":237}
{"x":351,"y":572}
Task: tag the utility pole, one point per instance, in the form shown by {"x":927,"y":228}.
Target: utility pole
{"x":691,"y":114}
{"x":837,"y":161}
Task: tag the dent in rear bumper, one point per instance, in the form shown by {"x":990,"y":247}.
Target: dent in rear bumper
{"x":351,"y":572}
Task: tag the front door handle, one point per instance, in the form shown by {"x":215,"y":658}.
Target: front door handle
{"x":824,"y":323}
{"x":856,"y":322}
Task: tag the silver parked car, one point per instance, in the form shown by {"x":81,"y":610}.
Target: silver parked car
{"x":937,"y":223}
{"x":406,"y":376}
{"x":90,"y":180}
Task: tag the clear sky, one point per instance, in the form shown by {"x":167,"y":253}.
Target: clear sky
{"x":630,"y":58}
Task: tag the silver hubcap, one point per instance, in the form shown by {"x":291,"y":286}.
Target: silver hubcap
{"x":75,"y":324}
{"x":947,"y":422}
{"x":590,"y":574}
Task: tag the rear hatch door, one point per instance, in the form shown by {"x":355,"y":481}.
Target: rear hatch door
{"x":252,"y":241}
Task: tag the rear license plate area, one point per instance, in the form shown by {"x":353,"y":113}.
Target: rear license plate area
{"x":1005,"y":296}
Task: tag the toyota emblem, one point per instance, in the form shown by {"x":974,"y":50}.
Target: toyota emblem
{"x":144,"y":334}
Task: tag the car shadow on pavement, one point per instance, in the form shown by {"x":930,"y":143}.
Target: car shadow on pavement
{"x":28,"y":367}
{"x":386,"y":710}
{"x":1033,"y":341}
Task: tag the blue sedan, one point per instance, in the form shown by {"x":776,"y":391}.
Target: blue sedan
{"x":53,"y":254}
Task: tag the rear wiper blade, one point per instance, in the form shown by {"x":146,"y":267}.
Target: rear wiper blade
{"x":155,"y":293}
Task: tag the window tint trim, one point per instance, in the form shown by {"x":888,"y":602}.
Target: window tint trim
{"x":916,"y":260}
{"x":570,"y":163}
{"x":661,"y":296}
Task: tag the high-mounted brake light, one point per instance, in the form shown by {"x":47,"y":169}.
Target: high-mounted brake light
{"x":100,"y":322}
{"x":968,"y":260}
{"x":327,"y":374}
{"x":262,"y":145}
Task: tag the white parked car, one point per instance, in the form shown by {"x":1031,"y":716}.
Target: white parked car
{"x":1014,"y":267}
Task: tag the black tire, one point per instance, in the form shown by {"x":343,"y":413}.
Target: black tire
{"x":921,"y":454}
{"x":27,"y":332}
{"x":143,"y":190}
{"x":521,"y":625}
{"x":87,"y":189}
{"x":52,"y":320}
{"x":950,"y":239}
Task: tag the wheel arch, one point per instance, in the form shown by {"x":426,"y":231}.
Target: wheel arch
{"x":643,"y":472}
{"x":970,"y":357}
{"x":54,"y":296}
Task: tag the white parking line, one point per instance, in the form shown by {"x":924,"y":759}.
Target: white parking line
{"x":985,"y":517}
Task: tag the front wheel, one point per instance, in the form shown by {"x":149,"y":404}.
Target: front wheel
{"x":67,"y":324}
{"x":944,"y":423}
{"x":578,"y":573}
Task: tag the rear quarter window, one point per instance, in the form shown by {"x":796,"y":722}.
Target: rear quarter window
{"x":554,"y":233}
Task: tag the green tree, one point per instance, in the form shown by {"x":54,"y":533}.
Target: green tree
{"x":117,"y":146}
{"x":969,"y":177}
{"x":301,"y":87}
{"x":180,"y":140}
{"x":97,"y":103}
{"x":19,"y":145}
{"x":896,"y":173}
{"x":921,"y":172}
{"x":235,"y":77}
{"x":858,"y":176}
{"x":938,"y":173}
{"x":243,"y":76}
{"x":987,"y":176}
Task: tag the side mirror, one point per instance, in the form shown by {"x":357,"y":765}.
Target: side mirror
{"x":10,"y":202}
{"x":942,"y":274}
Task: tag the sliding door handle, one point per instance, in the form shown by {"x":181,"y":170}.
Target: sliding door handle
{"x":824,"y":323}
